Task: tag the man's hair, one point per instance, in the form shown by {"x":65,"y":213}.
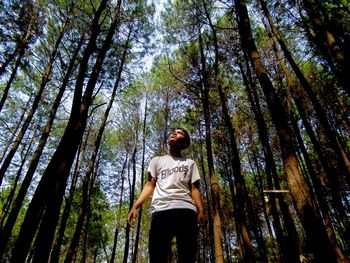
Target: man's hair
{"x":187,"y":140}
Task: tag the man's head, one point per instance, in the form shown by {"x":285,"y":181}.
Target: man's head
{"x":180,"y":138}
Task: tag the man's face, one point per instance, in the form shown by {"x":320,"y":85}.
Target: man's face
{"x":177,"y":138}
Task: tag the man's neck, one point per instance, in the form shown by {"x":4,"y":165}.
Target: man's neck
{"x":173,"y":152}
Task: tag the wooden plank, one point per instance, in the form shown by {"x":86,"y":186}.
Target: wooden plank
{"x":276,"y":191}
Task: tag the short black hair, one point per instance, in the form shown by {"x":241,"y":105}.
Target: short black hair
{"x":187,"y":141}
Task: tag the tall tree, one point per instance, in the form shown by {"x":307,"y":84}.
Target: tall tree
{"x":91,"y":164}
{"x":330,"y":133}
{"x":6,"y":231}
{"x":27,"y":23}
{"x":239,"y":200}
{"x":138,"y":228}
{"x":289,"y":244}
{"x":46,"y":76}
{"x":57,"y":171}
{"x":315,"y":232}
{"x":325,"y":25}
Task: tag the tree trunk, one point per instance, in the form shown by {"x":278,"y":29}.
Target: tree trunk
{"x":138,"y":228}
{"x":84,"y":203}
{"x":11,"y":79}
{"x":329,"y":169}
{"x":45,"y":240}
{"x":118,"y":223}
{"x":57,"y":171}
{"x":331,"y":135}
{"x":214,"y":185}
{"x":91,"y":165}
{"x":289,"y":246}
{"x":328,"y":42}
{"x":239,"y":202}
{"x":15,"y":129}
{"x":24,"y":156}
{"x":5,"y":234}
{"x":321,"y":197}
{"x":316,"y":236}
{"x":22,"y":44}
{"x":240,"y":208}
{"x":207,"y":198}
{"x":56,"y":248}
{"x":132,"y":198}
{"x":88,"y":214}
{"x":44,"y":80}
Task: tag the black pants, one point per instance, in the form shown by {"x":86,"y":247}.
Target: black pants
{"x":178,"y":223}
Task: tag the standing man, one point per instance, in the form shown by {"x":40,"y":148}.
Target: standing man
{"x":176,"y":207}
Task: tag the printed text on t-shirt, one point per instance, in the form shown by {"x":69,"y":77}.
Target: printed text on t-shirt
{"x":167,"y":172}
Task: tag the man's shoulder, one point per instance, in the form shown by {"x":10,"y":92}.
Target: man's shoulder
{"x":158,"y":157}
{"x":165,"y":157}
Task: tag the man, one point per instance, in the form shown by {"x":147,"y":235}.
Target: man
{"x":176,"y":207}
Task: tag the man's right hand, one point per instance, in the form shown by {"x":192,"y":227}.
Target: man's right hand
{"x":131,"y":216}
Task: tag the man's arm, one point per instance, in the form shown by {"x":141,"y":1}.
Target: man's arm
{"x":144,"y":196}
{"x":197,"y":198}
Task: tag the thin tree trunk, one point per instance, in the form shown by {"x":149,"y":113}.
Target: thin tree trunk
{"x":84,"y":203}
{"x":11,"y":79}
{"x":166,"y":120}
{"x":240,"y":208}
{"x":14,"y":130}
{"x":258,"y":181}
{"x":56,"y":248}
{"x":335,"y":188}
{"x":47,"y":227}
{"x":118,"y":223}
{"x":239,"y":202}
{"x":321,"y":197}
{"x":24,"y":156}
{"x":138,"y":228}
{"x":45,"y":241}
{"x":132,"y":198}
{"x":207,"y":198}
{"x":88,"y":214}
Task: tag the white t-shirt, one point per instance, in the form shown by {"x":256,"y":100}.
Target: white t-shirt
{"x":174,"y":177}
